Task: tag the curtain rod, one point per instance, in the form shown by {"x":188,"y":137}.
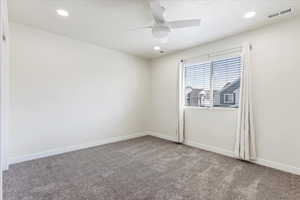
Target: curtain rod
{"x":218,"y":53}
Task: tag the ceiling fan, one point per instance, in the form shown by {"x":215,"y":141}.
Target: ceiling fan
{"x":161,"y":27}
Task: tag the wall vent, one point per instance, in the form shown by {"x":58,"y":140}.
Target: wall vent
{"x":283,"y":12}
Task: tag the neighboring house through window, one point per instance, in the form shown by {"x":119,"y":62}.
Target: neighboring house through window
{"x":214,"y":83}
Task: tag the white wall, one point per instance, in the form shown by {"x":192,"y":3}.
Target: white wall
{"x":66,"y":92}
{"x":276,"y":70}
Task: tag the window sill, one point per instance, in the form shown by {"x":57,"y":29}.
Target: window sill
{"x":210,"y":108}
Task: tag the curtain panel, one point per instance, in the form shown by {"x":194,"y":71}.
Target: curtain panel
{"x":245,"y":146}
{"x":4,"y":77}
{"x":180,"y":103}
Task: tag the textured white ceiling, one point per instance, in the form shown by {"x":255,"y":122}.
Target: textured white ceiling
{"x":109,"y":23}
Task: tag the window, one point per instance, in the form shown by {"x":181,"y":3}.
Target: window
{"x":229,"y":98}
{"x":213,"y":83}
{"x":197,"y":81}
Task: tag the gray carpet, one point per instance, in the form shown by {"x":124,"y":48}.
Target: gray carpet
{"x":146,"y":168}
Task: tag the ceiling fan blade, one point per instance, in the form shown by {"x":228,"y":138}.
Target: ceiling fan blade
{"x":184,"y":23}
{"x":157,"y":11}
{"x":141,"y":27}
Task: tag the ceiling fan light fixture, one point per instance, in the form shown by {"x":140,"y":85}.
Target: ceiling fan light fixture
{"x":249,"y":14}
{"x":62,"y":12}
{"x":161,"y":28}
{"x":156,"y":48}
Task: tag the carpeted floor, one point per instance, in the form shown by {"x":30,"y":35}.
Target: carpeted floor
{"x":146,"y":168}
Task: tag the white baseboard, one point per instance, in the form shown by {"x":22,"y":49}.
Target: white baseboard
{"x":228,"y":153}
{"x":278,"y":166}
{"x":210,"y":148}
{"x":162,"y":136}
{"x":259,"y":161}
{"x":57,"y":151}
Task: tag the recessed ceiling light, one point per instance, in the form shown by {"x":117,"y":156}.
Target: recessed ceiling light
{"x":156,"y":48}
{"x":63,"y":13}
{"x":249,"y":14}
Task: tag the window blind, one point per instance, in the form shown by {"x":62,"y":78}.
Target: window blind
{"x":213,"y":83}
{"x":198,"y":84}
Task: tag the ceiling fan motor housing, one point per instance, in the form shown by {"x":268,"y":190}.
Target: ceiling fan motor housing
{"x":160,"y":31}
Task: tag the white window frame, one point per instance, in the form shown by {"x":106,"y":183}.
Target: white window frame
{"x":232,"y":97}
{"x":211,"y":107}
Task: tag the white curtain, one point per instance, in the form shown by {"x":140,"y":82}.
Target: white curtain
{"x":245,"y":147}
{"x":180,"y":104}
{"x":4,"y":57}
